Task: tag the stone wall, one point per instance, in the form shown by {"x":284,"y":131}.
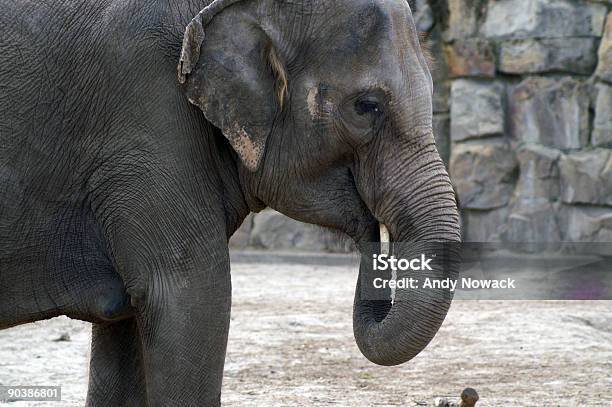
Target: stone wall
{"x":523,"y":118}
{"x":526,"y":88}
{"x":270,"y":230}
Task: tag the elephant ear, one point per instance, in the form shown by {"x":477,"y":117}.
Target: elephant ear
{"x":228,"y":73}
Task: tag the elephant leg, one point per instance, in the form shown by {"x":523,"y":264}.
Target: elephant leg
{"x":169,"y":245}
{"x":116,"y":375}
{"x":184,"y":337}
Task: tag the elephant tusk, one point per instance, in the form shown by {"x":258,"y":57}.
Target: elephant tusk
{"x":385,"y":248}
{"x":385,"y":240}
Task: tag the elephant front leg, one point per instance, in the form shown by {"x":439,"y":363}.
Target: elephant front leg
{"x":116,"y":371}
{"x":181,"y":291}
{"x":169,"y":245}
{"x":184,"y":324}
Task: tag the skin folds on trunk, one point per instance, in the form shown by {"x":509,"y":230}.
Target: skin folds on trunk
{"x":416,"y":202}
{"x":393,"y":333}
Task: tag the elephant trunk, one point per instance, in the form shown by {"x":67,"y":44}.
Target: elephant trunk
{"x":418,"y":206}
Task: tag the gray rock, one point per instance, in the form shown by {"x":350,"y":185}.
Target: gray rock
{"x":587,"y":224}
{"x":463,"y":18}
{"x":441,"y":128}
{"x":484,"y":226}
{"x":241,"y":239}
{"x":543,"y":19}
{"x":483,"y":174}
{"x":476,"y":109}
{"x":539,"y":174}
{"x":441,"y":96}
{"x":272,"y":230}
{"x":604,"y":68}
{"x":439,"y":71}
{"x":470,"y":58}
{"x":444,"y":402}
{"x":574,"y":55}
{"x":423,"y":16}
{"x":602,"y":125}
{"x":586,"y":177}
{"x":534,"y":221}
{"x":551,"y":111}
{"x":469,"y":397}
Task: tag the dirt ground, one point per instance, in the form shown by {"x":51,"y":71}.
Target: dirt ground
{"x":291,"y":344}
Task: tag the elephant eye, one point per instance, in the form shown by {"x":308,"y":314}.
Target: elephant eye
{"x":363,"y":107}
{"x":362,"y":115}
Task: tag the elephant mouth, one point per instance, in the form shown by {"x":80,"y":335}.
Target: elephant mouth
{"x":371,"y":232}
{"x":376,"y":236}
{"x":377,"y":240}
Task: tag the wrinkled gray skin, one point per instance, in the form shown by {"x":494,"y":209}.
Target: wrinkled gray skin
{"x":118,"y":195}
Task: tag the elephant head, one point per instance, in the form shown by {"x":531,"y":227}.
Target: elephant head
{"x":328,"y":107}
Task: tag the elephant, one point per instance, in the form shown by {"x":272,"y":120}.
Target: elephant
{"x":131,"y":149}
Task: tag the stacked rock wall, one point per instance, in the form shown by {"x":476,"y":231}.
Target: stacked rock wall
{"x":528,"y":89}
{"x":522,"y":116}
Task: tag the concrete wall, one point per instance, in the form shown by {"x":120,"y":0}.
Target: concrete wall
{"x":523,"y":118}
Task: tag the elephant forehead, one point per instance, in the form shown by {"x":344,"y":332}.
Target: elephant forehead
{"x":343,"y":24}
{"x":360,"y":27}
{"x":368,"y":21}
{"x":377,"y":34}
{"x":370,"y":17}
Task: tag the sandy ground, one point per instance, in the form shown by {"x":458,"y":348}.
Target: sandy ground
{"x":291,"y":344}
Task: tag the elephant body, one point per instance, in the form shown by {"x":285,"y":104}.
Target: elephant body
{"x":120,"y":184}
{"x":105,"y":166}
{"x":91,"y":110}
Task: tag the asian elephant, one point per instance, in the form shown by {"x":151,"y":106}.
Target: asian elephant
{"x":121,"y":183}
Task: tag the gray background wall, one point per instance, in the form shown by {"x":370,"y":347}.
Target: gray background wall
{"x":522,"y":116}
